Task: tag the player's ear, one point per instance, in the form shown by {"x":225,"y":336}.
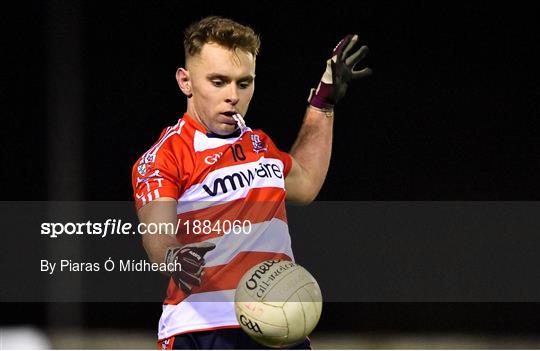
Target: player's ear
{"x":184,"y":81}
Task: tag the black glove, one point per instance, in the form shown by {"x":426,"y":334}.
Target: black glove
{"x":339,"y":72}
{"x":191,"y":258}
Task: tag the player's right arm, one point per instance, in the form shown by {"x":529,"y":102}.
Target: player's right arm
{"x":159,"y":211}
{"x":156,"y":184}
{"x":163,"y":247}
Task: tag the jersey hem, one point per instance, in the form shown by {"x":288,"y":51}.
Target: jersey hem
{"x":232,"y":326}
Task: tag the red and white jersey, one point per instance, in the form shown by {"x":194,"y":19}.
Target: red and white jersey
{"x":231,"y":192}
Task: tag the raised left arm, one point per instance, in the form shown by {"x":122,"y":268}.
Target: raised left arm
{"x":313,"y":146}
{"x":311,"y":156}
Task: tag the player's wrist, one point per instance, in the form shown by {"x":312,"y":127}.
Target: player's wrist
{"x":319,"y":98}
{"x":328,"y":113}
{"x":171,"y":257}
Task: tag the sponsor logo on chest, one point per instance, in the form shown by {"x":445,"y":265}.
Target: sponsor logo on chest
{"x":239,"y":178}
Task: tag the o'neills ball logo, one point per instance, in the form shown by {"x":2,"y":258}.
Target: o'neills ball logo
{"x":259,"y":279}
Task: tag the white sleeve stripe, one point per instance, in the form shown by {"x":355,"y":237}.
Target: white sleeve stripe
{"x":170,"y":131}
{"x":167,"y":137}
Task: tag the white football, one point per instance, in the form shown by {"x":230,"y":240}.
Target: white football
{"x":278,"y":303}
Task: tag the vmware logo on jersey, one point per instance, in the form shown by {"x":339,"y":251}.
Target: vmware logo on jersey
{"x":243,"y":178}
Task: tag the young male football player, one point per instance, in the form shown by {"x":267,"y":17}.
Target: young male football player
{"x":211,"y":176}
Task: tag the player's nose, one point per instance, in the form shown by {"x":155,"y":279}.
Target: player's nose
{"x":232,"y":95}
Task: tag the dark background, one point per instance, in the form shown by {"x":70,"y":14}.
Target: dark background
{"x":451,"y":113}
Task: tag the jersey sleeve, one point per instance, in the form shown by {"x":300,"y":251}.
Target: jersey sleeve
{"x":156,"y":174}
{"x":276,"y":152}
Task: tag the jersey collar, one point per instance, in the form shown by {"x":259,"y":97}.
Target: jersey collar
{"x":196,"y":125}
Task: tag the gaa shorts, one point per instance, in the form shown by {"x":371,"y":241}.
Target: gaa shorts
{"x":221,"y":339}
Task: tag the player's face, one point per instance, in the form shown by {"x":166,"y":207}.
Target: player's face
{"x":222,"y":83}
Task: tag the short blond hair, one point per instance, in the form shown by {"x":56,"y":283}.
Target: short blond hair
{"x":222,"y":31}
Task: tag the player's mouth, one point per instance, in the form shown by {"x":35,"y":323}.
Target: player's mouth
{"x":228,"y":117}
